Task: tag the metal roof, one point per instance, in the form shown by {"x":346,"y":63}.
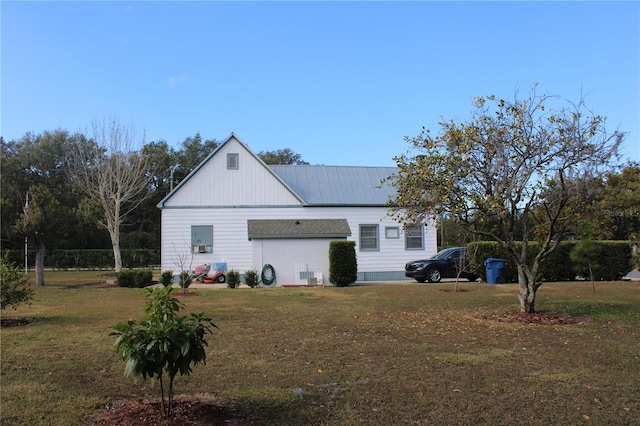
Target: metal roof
{"x":338,"y":185}
{"x":298,"y":228}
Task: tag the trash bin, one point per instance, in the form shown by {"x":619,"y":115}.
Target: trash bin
{"x":495,"y":270}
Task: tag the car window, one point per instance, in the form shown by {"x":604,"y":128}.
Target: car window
{"x":442,"y":254}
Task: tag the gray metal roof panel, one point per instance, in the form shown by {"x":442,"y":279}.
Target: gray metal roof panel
{"x":338,"y":185}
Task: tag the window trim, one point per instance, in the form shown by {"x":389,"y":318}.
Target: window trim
{"x":408,"y":237}
{"x":201,"y":246}
{"x":395,"y":235}
{"x":377,"y":237}
{"x":233,"y":161}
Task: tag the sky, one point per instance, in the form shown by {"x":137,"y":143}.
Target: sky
{"x":340,"y":83}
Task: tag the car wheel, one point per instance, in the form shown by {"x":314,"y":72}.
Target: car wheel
{"x":221,"y":278}
{"x":434,"y":275}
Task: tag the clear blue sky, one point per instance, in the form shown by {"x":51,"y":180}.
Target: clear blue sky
{"x":337,"y":82}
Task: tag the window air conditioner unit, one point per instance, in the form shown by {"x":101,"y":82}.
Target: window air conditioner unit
{"x":202,"y":249}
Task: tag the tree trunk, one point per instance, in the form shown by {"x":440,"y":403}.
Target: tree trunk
{"x":40,"y":253}
{"x":527,"y":293}
{"x":115,"y":245}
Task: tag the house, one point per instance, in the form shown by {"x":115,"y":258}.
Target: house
{"x":234,"y":208}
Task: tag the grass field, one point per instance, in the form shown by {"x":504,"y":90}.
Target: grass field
{"x":363,"y":355}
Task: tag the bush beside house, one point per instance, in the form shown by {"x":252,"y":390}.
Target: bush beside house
{"x":343,"y":266}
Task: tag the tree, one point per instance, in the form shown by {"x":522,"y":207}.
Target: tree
{"x":515,"y":163}
{"x":281,"y":156}
{"x":41,"y":220}
{"x":163,"y":343}
{"x":584,"y":256}
{"x":616,"y":209}
{"x":110,"y":170}
{"x":41,"y":160}
{"x":193,"y":151}
{"x":14,"y":286}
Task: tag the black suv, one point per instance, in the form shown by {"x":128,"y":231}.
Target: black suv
{"x":447,"y":263}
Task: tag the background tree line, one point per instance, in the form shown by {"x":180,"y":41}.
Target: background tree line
{"x":42,"y":197}
{"x":36,"y":167}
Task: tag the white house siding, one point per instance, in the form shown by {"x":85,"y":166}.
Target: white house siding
{"x":290,"y":256}
{"x":231,"y":243}
{"x":215,"y":185}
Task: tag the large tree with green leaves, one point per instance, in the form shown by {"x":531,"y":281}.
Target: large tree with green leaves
{"x":515,"y":163}
{"x":616,"y":209}
{"x":282,"y":157}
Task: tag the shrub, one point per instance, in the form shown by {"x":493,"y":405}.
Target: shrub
{"x":14,"y":285}
{"x":166,"y":278}
{"x":185,"y":279}
{"x":343,"y":266}
{"x":134,"y":278}
{"x":251,"y":278}
{"x":125,"y":278}
{"x":233,"y":278}
{"x":163,"y":343}
{"x":143,"y":278}
{"x":613,"y":262}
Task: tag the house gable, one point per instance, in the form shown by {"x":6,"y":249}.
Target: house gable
{"x":231,"y":176}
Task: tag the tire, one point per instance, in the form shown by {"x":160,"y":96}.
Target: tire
{"x":221,"y":278}
{"x":434,"y":275}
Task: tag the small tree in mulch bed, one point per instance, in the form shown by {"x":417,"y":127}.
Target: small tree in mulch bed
{"x":585,"y":259}
{"x":163,"y":343}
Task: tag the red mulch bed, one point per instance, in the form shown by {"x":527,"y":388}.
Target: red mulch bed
{"x":187,"y":411}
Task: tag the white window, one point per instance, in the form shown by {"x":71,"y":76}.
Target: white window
{"x":202,"y":239}
{"x":369,"y":238}
{"x":392,"y":232}
{"x":232,"y":161}
{"x":414,"y":237}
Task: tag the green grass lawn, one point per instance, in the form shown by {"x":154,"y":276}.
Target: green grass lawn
{"x":364,"y":355}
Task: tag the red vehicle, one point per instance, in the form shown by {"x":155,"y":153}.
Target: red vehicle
{"x":208,"y":273}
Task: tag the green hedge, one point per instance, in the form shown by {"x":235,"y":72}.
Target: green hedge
{"x":134,"y":278}
{"x":88,"y":259}
{"x":343,"y":265}
{"x":614,"y":261}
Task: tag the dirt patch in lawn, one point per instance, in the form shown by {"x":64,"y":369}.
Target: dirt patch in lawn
{"x":16,"y":322}
{"x":187,"y":411}
{"x":538,"y":318}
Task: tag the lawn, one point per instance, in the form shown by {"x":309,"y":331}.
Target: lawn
{"x":363,"y":355}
